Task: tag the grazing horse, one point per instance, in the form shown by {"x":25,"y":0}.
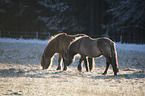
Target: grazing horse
{"x":59,"y":44}
{"x":89,"y":47}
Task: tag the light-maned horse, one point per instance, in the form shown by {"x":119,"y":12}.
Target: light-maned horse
{"x":89,"y":47}
{"x":59,"y":44}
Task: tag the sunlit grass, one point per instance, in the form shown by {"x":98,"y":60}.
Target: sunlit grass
{"x":20,"y":74}
{"x":71,"y":82}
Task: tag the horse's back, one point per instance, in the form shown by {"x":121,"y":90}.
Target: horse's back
{"x":92,"y":47}
{"x":104,"y":40}
{"x":86,"y":46}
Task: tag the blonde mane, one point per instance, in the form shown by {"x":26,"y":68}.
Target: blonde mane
{"x":54,"y":36}
{"x":77,"y":38}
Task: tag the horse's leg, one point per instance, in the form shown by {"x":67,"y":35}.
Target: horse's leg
{"x":86,"y":64}
{"x":65,"y":67}
{"x":59,"y":62}
{"x":114,"y":68}
{"x":80,"y":64}
{"x":107,"y":66}
{"x":91,"y":65}
{"x":108,"y":62}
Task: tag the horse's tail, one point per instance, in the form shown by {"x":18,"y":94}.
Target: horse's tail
{"x":113,"y":56}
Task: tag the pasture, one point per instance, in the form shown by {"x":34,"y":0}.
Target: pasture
{"x":21,"y":74}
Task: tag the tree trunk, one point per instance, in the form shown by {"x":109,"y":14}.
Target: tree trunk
{"x":91,"y":17}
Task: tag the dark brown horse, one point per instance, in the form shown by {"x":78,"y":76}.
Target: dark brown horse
{"x":88,"y":47}
{"x":59,"y":44}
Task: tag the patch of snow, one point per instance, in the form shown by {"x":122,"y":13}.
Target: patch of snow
{"x":119,"y":46}
{"x":131,"y":47}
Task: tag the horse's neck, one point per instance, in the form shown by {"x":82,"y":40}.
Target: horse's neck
{"x":73,"y":53}
{"x":49,"y":52}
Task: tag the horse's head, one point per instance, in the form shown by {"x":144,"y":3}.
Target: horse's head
{"x":45,"y":61}
{"x":68,"y":58}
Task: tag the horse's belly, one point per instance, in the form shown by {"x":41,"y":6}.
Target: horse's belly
{"x":91,"y":52}
{"x":94,"y":53}
{"x":89,"y":48}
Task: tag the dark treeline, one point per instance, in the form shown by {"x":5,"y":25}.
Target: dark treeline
{"x":20,"y":15}
{"x":92,"y":17}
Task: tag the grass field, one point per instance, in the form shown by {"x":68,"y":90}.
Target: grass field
{"x":20,"y":73}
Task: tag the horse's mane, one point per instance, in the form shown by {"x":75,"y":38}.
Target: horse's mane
{"x":54,"y":36}
{"x":79,"y":37}
{"x":76,"y":37}
{"x":51,"y":39}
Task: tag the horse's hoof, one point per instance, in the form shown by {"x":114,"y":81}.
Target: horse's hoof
{"x":115,"y":74}
{"x":64,"y":69}
{"x":79,"y":70}
{"x":87,"y":70}
{"x":104,"y":73}
{"x":44,"y":68}
{"x":58,"y":68}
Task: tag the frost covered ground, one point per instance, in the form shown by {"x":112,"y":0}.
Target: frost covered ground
{"x":20,"y":72}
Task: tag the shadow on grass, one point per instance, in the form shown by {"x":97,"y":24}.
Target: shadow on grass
{"x":10,"y":92}
{"x":38,"y":73}
{"x":139,"y":75}
{"x":12,"y":72}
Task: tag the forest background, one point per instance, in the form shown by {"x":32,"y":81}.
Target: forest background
{"x":115,"y":19}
